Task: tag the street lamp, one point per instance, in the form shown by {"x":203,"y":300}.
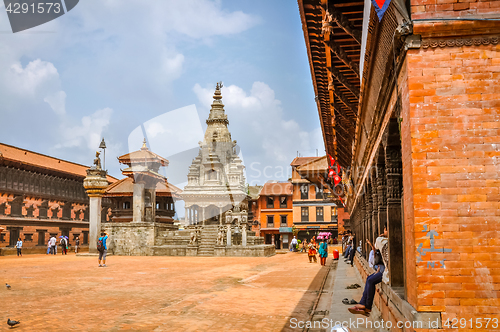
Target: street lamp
{"x":103,"y":147}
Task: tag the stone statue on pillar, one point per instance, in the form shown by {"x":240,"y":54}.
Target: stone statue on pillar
{"x":95,"y":183}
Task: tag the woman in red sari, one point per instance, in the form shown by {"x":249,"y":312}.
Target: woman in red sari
{"x":312,"y":250}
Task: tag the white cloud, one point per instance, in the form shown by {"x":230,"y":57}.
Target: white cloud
{"x":88,"y":134}
{"x":57,"y":101}
{"x":38,"y":77}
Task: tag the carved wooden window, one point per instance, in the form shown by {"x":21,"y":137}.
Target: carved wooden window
{"x":334,"y":211}
{"x":2,"y":237}
{"x":28,"y":237}
{"x":270,"y":221}
{"x":319,"y":193}
{"x":270,"y":202}
{"x":126,"y":205}
{"x":304,"y":191}
{"x":304,"y":213}
{"x":284,"y":221}
{"x":319,"y":213}
{"x":283,"y":202}
{"x":85,"y":238}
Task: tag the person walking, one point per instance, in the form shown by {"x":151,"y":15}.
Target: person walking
{"x":19,"y":246}
{"x":77,"y":243}
{"x":312,"y":251}
{"x":303,"y":246}
{"x":323,"y":252}
{"x":102,"y":248}
{"x":294,"y":244}
{"x":53,"y":246}
{"x":48,"y":247}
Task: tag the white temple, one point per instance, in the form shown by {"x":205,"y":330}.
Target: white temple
{"x":216,"y":181}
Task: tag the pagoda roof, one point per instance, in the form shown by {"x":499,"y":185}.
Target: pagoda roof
{"x":142,"y":155}
{"x":125,"y":187}
{"x":317,"y":165}
{"x":41,"y":162}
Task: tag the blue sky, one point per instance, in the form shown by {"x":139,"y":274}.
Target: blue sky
{"x":107,"y":67}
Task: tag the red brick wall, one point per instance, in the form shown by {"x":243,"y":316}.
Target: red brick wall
{"x":454,"y":99}
{"x":452,"y":8}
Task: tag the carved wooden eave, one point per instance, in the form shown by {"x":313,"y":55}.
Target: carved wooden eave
{"x":333,"y":47}
{"x":342,"y":56}
{"x":345,"y":82}
{"x":345,"y":24}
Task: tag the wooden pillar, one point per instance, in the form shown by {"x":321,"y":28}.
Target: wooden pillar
{"x":369,"y":208}
{"x":375,"y":228}
{"x":381,"y":191}
{"x":394,"y":222}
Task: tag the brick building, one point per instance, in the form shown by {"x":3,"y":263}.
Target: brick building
{"x":313,"y":210}
{"x":274,"y":208}
{"x":254,"y":209}
{"x":40,"y":196}
{"x":410,"y":105}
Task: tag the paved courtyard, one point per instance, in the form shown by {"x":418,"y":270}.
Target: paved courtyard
{"x":158,"y":293}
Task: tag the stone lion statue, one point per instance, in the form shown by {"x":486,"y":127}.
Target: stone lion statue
{"x":194,"y":239}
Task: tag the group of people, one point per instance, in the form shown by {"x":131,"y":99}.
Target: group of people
{"x":348,"y":242}
{"x":313,"y":248}
{"x":63,"y":242}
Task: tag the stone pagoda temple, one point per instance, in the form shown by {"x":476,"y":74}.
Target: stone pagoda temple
{"x":216,"y":182}
{"x":216,"y":200}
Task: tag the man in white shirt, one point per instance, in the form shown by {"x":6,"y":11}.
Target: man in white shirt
{"x":52,"y":243}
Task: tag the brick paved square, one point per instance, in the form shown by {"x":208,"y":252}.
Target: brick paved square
{"x":158,"y":293}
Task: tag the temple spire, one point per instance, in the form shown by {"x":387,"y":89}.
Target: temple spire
{"x":217,"y":120}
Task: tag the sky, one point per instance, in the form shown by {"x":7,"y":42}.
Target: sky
{"x":126,"y":69}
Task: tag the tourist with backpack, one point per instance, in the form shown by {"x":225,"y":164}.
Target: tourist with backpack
{"x":102,"y":248}
{"x":64,"y":246}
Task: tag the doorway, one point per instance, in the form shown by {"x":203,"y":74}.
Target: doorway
{"x":277,"y":241}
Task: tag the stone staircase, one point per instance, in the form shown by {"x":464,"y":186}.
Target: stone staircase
{"x":208,"y":239}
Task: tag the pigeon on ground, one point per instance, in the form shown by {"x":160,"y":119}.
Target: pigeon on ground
{"x":7,"y":285}
{"x":12,"y":323}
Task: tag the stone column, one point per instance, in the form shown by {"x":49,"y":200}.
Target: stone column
{"x":95,"y":221}
{"x":95,"y":183}
{"x":220,"y":215}
{"x":228,"y":225}
{"x":244,"y":220}
{"x":138,"y":202}
{"x":203,"y":215}
{"x":186,"y":219}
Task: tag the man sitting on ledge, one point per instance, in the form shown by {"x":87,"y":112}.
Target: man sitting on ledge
{"x":364,"y":307}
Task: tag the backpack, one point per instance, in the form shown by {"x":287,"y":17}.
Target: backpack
{"x":100,"y":245}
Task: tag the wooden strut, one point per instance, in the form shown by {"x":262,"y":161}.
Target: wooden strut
{"x":345,"y":101}
{"x":337,"y":107}
{"x":342,"y":55}
{"x":343,"y":80}
{"x":344,"y":23}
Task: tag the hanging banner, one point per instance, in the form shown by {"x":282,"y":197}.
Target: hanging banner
{"x":380,"y":7}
